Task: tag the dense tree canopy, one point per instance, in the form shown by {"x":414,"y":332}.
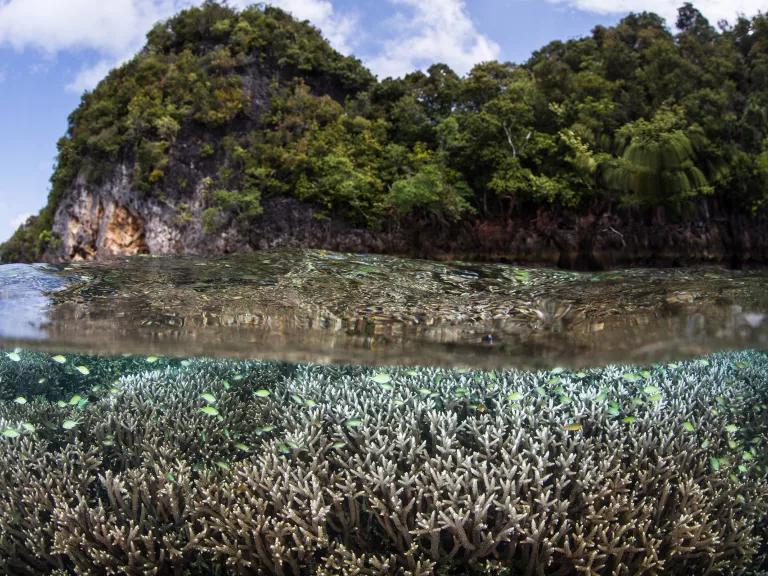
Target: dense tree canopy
{"x":632,"y":115}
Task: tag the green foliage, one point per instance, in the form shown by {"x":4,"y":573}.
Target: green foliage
{"x":432,"y":189}
{"x":657,"y":166}
{"x":261,"y":105}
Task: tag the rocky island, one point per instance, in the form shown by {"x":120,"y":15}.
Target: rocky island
{"x":238,"y":130}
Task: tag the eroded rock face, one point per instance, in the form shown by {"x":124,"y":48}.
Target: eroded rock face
{"x":113,"y":219}
{"x":123,"y":233}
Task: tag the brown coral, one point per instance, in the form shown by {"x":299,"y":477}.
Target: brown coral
{"x":323,"y":470}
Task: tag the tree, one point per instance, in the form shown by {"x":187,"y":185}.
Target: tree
{"x":658,"y":163}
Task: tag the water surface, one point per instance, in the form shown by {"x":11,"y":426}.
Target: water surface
{"x":310,"y":305}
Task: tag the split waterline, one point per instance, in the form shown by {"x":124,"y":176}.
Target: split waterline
{"x":318,"y":306}
{"x":298,"y":412}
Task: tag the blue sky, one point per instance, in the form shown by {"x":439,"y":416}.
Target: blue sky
{"x":52,"y":50}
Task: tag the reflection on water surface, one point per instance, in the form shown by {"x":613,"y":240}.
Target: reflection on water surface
{"x":322,"y":306}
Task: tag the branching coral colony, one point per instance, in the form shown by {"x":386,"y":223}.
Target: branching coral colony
{"x":155,"y":466}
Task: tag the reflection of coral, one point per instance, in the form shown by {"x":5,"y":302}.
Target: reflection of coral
{"x":551,"y":315}
{"x":325,"y":471}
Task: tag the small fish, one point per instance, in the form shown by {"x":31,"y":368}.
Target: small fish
{"x":462,"y":391}
{"x":223,"y":465}
{"x":209,"y":410}
{"x":28,"y":426}
{"x":731,"y":428}
{"x":14,"y":356}
{"x":747,"y":456}
{"x":381,"y":378}
{"x":412,"y":373}
{"x":425,"y":391}
{"x":629,"y":420}
{"x":20,"y":400}
{"x":714,"y":463}
{"x":338,"y":445}
{"x":186,"y":363}
{"x":59,"y":359}
{"x":632,"y":377}
{"x":69,"y":424}
{"x":11,"y":433}
{"x":226,"y":385}
{"x":572,"y":427}
{"x":83,"y":370}
{"x":688,"y":426}
{"x":262,"y":393}
{"x":310,"y":403}
{"x":151,"y":359}
{"x":75,"y":400}
{"x":515,"y":396}
{"x":387,"y":387}
{"x":61,"y":404}
{"x":651,"y":390}
{"x":243,"y":447}
{"x":208,"y":397}
{"x":353,"y":423}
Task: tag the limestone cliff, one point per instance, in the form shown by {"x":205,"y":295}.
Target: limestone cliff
{"x":235,"y":130}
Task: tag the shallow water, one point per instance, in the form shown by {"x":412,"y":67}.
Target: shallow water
{"x":323,"y":306}
{"x":445,"y":419}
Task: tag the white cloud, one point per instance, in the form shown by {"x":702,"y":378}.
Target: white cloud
{"x":89,"y":76}
{"x":714,"y":10}
{"x":115,"y":29}
{"x":111,"y":28}
{"x":433,"y":31}
{"x":338,"y":28}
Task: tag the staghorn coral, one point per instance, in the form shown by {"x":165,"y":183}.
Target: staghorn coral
{"x":336,"y":470}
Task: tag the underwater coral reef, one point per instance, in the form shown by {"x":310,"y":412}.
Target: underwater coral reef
{"x":161,"y":466}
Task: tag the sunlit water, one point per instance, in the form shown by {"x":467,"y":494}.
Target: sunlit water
{"x":305,"y":412}
{"x":321,"y":306}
